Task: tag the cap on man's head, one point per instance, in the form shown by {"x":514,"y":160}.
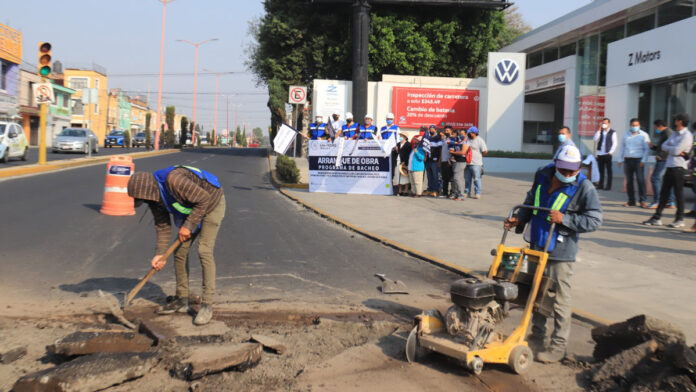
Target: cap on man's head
{"x":473,"y":130}
{"x":433,"y":126}
{"x":568,"y":158}
{"x":390,"y":116}
{"x":349,"y":115}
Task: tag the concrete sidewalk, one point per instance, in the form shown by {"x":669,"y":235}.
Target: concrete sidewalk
{"x":623,"y":269}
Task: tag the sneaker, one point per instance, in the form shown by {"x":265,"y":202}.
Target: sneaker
{"x":629,"y":204}
{"x":690,"y":214}
{"x":653,"y":222}
{"x":691,"y":229}
{"x":677,"y":224}
{"x":643,"y":204}
{"x":670,"y":205}
{"x":477,"y":196}
{"x":178,"y":305}
{"x":652,"y":206}
{"x":552,"y":355}
{"x":204,"y":315}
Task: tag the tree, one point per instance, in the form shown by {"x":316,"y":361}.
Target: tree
{"x":148,"y":137}
{"x":184,"y":130}
{"x":259,"y":136}
{"x":515,"y":26}
{"x":207,"y":136}
{"x":169,"y":115}
{"x":297,"y":41}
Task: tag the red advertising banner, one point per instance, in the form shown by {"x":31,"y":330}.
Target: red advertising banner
{"x":591,"y":110}
{"x":416,"y":107}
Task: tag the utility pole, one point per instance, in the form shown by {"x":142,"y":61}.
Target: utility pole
{"x":195,"y":81}
{"x":158,"y":121}
{"x":217,"y":88}
{"x":43,"y":113}
{"x":228,"y":119}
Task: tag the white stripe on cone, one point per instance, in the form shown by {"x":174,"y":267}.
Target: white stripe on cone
{"x":115,"y":189}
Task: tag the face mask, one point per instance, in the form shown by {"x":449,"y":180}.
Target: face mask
{"x":390,"y":122}
{"x":635,"y":129}
{"x":658,"y":131}
{"x":564,"y":179}
{"x":562,"y":138}
{"x":605,"y":126}
{"x":335,"y":117}
{"x":318,"y":121}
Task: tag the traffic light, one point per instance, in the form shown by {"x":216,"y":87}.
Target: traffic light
{"x":44,"y":58}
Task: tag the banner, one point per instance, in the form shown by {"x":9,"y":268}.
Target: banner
{"x":362,"y":168}
{"x":283,"y":139}
{"x":415,"y":107}
{"x":590,"y":112}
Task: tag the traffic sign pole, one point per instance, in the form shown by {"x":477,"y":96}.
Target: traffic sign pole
{"x":42,"y":130}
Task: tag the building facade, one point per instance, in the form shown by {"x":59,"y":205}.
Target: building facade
{"x":28,"y":109}
{"x":611,"y":58}
{"x":138,"y":112}
{"x":90,"y":100}
{"x":10,"y":58}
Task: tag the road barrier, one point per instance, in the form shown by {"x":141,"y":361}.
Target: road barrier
{"x":116,"y":200}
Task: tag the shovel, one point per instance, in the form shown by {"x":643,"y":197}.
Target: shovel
{"x":147,"y":277}
{"x":392,"y":286}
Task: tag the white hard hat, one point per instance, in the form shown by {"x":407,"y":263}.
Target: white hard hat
{"x":390,"y":116}
{"x":349,"y":115}
{"x":368,"y":115}
{"x":336,"y":113}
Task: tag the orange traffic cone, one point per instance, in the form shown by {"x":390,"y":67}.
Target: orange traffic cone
{"x":116,"y":200}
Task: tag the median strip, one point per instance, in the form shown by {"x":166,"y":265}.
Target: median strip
{"x":72,"y":163}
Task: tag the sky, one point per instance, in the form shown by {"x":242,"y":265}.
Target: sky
{"x":124,"y":37}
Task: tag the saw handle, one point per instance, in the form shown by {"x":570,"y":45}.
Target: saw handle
{"x":152,"y":271}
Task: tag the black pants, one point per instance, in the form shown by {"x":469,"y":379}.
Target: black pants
{"x":446,"y":173}
{"x":673,"y":179}
{"x":604,"y":163}
{"x":632,"y":168}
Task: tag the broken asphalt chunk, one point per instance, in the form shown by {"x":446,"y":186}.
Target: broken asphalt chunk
{"x":12,"y":355}
{"x":269,"y":343}
{"x":88,"y":373}
{"x":92,"y":342}
{"x":214,"y":358}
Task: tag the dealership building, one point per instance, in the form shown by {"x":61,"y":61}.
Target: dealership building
{"x":611,"y":58}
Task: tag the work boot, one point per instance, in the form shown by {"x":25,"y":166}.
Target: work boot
{"x":552,"y":355}
{"x":204,"y":315}
{"x":536,"y":342}
{"x":178,"y":305}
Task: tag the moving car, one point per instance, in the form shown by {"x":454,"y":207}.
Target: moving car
{"x":115,"y":139}
{"x":76,"y":140}
{"x":13,"y":143}
{"x":139,"y":139}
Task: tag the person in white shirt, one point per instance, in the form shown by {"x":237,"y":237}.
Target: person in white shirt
{"x":635,"y":148}
{"x":605,"y":138}
{"x":677,"y":147}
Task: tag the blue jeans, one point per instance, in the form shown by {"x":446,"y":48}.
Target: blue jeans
{"x":433,"y":172}
{"x":656,"y":181}
{"x":472,"y":171}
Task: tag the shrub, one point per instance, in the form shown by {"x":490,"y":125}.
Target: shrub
{"x":287,"y":170}
{"x":517,"y":154}
{"x":126,"y":139}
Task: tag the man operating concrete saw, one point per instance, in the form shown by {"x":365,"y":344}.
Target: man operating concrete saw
{"x":194,"y":198}
{"x":576,"y":209}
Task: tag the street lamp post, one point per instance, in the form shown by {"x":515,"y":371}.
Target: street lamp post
{"x":159,"y":91}
{"x":195,"y":82}
{"x":217,"y":88}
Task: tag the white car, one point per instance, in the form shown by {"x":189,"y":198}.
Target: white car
{"x":13,"y":143}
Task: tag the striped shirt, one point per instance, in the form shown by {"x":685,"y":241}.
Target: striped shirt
{"x":187,"y":188}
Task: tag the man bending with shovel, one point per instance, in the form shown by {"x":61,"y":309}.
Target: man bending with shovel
{"x":196,"y":201}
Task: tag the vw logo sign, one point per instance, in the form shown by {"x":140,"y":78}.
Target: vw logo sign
{"x":507,"y":71}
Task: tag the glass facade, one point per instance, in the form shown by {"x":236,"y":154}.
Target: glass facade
{"x":668,"y":98}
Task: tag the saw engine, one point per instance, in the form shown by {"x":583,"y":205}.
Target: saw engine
{"x":478,"y":307}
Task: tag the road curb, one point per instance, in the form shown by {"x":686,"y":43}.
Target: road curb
{"x":578,"y":314}
{"x":72,"y":163}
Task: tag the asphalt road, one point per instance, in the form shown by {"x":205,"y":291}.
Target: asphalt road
{"x":54,"y":243}
{"x":33,"y":155}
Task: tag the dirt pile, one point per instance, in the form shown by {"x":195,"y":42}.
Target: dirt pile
{"x":642,"y":354}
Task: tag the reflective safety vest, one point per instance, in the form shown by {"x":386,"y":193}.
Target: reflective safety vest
{"x":367,"y":132}
{"x":693,"y":159}
{"x":558,"y":200}
{"x":317,"y":131}
{"x":350,"y":131}
{"x":178,"y":210}
{"x":389,"y":131}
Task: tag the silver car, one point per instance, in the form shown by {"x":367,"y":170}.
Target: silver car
{"x":76,"y":140}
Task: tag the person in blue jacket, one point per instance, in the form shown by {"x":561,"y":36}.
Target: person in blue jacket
{"x":416,"y":166}
{"x":317,"y":129}
{"x":368,"y":130}
{"x":576,"y":209}
{"x":350,"y":128}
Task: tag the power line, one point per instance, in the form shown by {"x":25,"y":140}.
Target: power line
{"x":175,"y":74}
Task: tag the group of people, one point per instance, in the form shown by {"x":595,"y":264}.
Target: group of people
{"x":675,"y":161}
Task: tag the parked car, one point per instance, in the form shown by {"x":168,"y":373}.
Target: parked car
{"x":13,"y":142}
{"x":139,"y":139}
{"x":76,"y":140}
{"x":115,"y":139}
